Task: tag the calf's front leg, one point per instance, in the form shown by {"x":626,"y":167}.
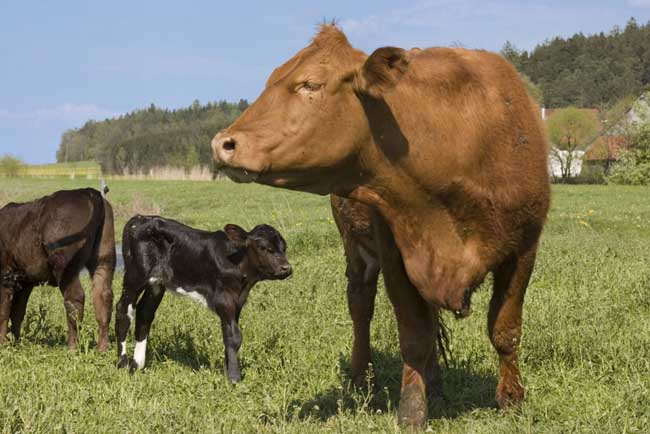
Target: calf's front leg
{"x":6,"y":301}
{"x":232,"y":342}
{"x":18,"y":310}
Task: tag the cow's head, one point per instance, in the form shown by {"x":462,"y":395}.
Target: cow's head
{"x":307,"y":128}
{"x":265,"y":249}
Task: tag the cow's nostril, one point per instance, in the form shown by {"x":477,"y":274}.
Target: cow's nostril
{"x":229,"y":145}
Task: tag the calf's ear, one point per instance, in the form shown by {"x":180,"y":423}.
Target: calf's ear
{"x":236,"y":234}
{"x":382,"y":70}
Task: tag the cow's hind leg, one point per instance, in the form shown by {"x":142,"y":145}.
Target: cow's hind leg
{"x":144,"y":316}
{"x":124,"y":314}
{"x":362,"y":272}
{"x":18,"y":310}
{"x":504,"y":322}
{"x":73,"y":299}
{"x":6,"y":301}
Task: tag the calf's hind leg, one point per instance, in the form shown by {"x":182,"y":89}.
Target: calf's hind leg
{"x":504,"y":322}
{"x":73,"y":299}
{"x":124,"y":314}
{"x":103,"y":303}
{"x":18,"y":310}
{"x":144,"y":316}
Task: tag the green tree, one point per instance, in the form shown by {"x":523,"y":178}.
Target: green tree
{"x":11,"y":166}
{"x":570,"y":130}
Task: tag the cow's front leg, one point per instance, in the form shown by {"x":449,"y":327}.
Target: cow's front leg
{"x":144,"y":316}
{"x":232,"y":342}
{"x":6,"y":301}
{"x":416,"y":330}
{"x":18,"y":310}
{"x":73,"y":299}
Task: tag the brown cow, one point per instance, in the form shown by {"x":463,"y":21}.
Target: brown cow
{"x":50,"y":240}
{"x":448,"y":150}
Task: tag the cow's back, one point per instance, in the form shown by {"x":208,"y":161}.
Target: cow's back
{"x":471,"y":130}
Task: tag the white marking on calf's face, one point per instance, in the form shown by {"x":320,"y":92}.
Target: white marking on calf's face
{"x":191,"y":294}
{"x":154,"y":280}
{"x":140,"y":353}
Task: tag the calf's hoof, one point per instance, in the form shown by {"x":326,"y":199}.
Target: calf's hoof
{"x":509,"y":393}
{"x":102,"y":346}
{"x":122,"y":362}
{"x":412,"y":409}
{"x":234,"y":379}
{"x":133,"y":366}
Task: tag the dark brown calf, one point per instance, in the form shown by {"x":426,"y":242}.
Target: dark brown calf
{"x":49,"y":240}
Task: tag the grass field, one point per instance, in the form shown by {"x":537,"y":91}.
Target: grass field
{"x":585,"y":355}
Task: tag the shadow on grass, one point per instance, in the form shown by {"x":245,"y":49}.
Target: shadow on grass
{"x":463,"y":391}
{"x":181,"y":349}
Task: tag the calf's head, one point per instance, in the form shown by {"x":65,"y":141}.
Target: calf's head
{"x":265,"y":248}
{"x":306,"y":129}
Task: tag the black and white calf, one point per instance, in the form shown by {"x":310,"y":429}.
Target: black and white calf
{"x":216,"y":269}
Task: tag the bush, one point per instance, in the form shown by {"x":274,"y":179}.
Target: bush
{"x":11,"y":166}
{"x":633,"y":168}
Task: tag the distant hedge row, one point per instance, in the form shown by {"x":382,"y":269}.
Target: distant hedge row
{"x":153,"y":137}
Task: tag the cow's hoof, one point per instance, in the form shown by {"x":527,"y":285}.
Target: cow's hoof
{"x":122,"y":362}
{"x":365,"y":380}
{"x":509,"y":394}
{"x":412,"y":407}
{"x":132,"y":366}
{"x":102,"y":347}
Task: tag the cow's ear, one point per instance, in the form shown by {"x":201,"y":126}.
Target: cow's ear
{"x":236,"y":234}
{"x":382,"y":70}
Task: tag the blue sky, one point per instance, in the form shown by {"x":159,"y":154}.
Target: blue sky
{"x":64,"y":62}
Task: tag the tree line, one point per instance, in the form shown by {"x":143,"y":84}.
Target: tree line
{"x":588,"y":71}
{"x":152,"y":137}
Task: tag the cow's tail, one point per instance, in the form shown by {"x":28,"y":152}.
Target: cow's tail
{"x":442,"y":339}
{"x":97,"y":216}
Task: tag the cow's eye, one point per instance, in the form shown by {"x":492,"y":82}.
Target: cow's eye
{"x":308,"y":86}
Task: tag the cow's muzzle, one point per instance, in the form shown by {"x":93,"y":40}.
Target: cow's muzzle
{"x":223,"y":152}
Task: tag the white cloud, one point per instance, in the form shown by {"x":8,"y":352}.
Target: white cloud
{"x":639,"y":3}
{"x":68,"y":112}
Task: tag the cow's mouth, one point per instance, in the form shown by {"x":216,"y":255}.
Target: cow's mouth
{"x":239,"y":174}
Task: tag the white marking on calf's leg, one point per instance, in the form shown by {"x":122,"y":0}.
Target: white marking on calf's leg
{"x":123,"y":348}
{"x":130,"y":312}
{"x":140,"y":353}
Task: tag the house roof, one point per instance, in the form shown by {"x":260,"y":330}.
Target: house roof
{"x":606,"y":148}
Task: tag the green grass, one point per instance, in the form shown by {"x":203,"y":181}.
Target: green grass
{"x":585,"y":355}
